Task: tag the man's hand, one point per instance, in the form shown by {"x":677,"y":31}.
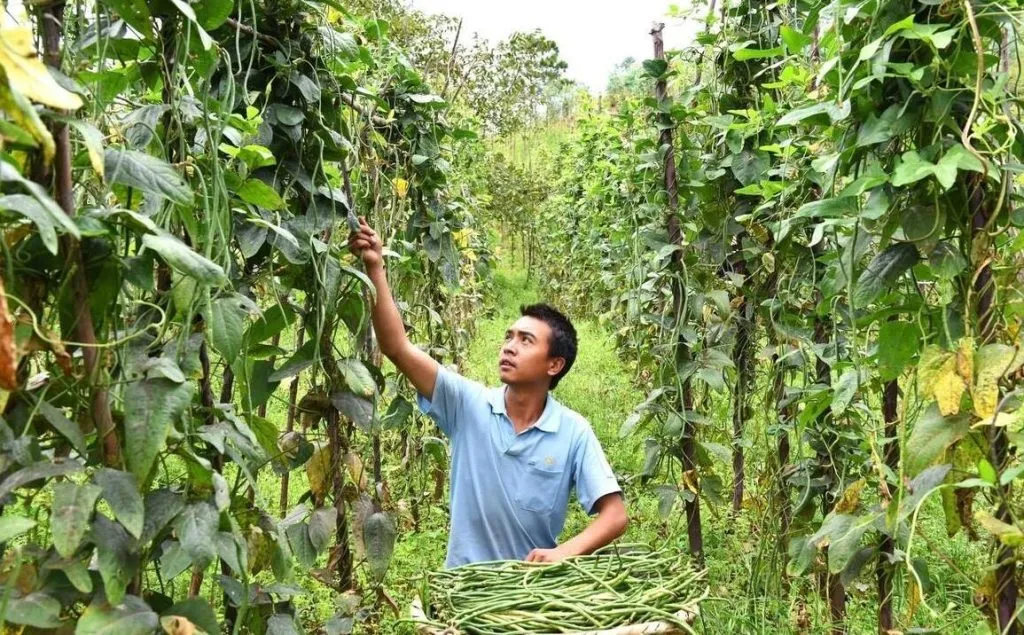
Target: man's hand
{"x":547,"y":555}
{"x":367,"y":245}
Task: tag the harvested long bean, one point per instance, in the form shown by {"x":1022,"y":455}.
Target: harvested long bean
{"x":618,"y":586}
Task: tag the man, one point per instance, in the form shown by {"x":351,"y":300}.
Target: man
{"x":516,"y":452}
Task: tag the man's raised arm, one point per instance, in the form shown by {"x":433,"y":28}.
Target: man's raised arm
{"x":420,"y":368}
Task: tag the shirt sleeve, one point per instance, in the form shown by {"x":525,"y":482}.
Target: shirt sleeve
{"x":592,"y":473}
{"x":446,"y":404}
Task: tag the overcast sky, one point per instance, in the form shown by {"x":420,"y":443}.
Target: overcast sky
{"x":592,"y":35}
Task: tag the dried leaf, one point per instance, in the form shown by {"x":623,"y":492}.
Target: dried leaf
{"x":8,"y":352}
{"x":851,"y":498}
{"x":356,"y":470}
{"x":318,"y":470}
{"x":177,"y":625}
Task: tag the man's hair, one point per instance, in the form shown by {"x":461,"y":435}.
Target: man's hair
{"x":563,"y":335}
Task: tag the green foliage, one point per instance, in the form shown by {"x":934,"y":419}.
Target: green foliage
{"x":830,"y":187}
{"x":159,"y":311}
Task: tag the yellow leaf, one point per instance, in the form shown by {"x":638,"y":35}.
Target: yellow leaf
{"x":986,"y":398}
{"x":93,"y":139}
{"x":22,"y":113}
{"x":462,"y":237}
{"x":356,"y":470}
{"x":318,"y":470}
{"x":933,"y":361}
{"x":1009,"y":535}
{"x":965,"y":359}
{"x":851,"y":498}
{"x":993,"y":361}
{"x":27,"y":74}
{"x":401,"y":187}
{"x":949,"y":389}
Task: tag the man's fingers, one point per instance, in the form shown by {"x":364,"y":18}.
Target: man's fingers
{"x":532,"y":557}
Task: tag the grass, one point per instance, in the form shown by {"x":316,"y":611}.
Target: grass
{"x":749,"y":592}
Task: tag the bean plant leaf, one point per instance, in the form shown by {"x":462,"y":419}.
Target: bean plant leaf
{"x":131,"y":617}
{"x":199,"y":612}
{"x":12,"y":526}
{"x":397,"y":415}
{"x":36,"y":472}
{"x":946,"y":261}
{"x":357,"y":377}
{"x":258,"y":193}
{"x":76,"y":573}
{"x":226,"y":323}
{"x":655,"y":69}
{"x":1009,"y":535}
{"x":69,"y":519}
{"x":302,"y":359}
{"x":379,"y":535}
{"x":186,"y":10}
{"x":322,"y":523}
{"x":93,"y":140}
{"x":795,"y":40}
{"x":211,"y":14}
{"x":282,"y":624}
{"x":922,"y":485}
{"x":300,"y":543}
{"x":912,"y":168}
{"x":161,"y":507}
{"x":898,"y":344}
{"x":141,"y":125}
{"x":146,"y":173}
{"x":151,"y":405}
{"x":883,"y":271}
{"x":667,"y":496}
{"x":272,"y":322}
{"x":180,"y":256}
{"x":318,"y":471}
{"x":196,"y":528}
{"x":993,"y":362}
{"x":356,"y":408}
{"x":842,"y":534}
{"x":117,"y":555}
{"x":932,"y":434}
{"x":121,"y":491}
{"x":41,"y":216}
{"x":135,"y":13}
{"x":62,"y":424}
{"x":35,"y":609}
{"x":25,"y":72}
{"x":844,"y":391}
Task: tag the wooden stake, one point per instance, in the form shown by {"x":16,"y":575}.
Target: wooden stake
{"x":84,"y":329}
{"x":688,"y":446}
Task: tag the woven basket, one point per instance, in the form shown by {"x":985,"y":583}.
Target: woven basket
{"x":647,"y":628}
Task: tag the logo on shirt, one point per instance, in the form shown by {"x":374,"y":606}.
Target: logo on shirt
{"x":549,"y":461}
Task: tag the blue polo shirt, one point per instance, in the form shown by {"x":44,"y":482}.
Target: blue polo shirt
{"x":510,"y":492}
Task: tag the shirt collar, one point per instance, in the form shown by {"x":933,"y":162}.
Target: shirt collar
{"x":549,"y":419}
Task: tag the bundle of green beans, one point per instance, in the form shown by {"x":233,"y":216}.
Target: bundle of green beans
{"x":618,"y":586}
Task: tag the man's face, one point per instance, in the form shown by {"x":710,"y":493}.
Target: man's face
{"x":524,"y":357}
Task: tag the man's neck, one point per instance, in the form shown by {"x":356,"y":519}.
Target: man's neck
{"x":525,"y":404}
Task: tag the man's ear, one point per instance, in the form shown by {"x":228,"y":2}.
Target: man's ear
{"x":555,"y":366}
